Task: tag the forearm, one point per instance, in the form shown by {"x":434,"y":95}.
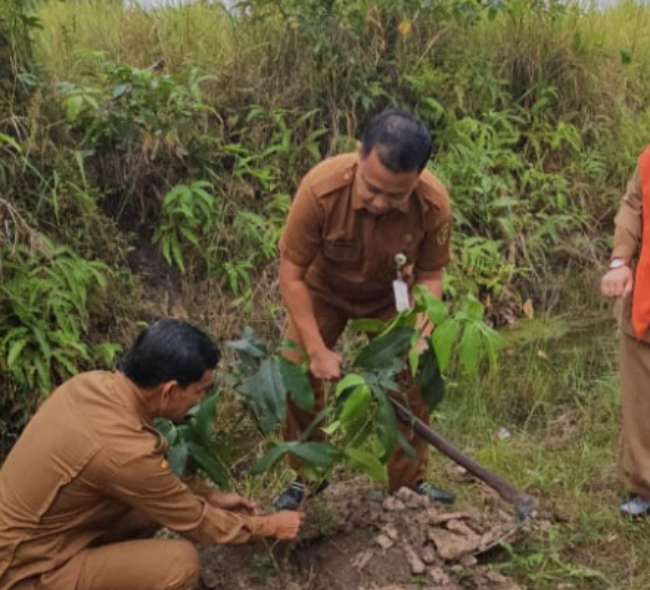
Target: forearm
{"x":297,"y":300}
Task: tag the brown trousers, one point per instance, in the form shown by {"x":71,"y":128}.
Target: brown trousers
{"x":634,"y":448}
{"x":123,"y":561}
{"x":331,"y":322}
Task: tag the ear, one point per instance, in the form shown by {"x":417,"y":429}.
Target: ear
{"x":166,"y":389}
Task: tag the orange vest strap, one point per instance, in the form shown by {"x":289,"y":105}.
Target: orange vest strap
{"x":641,"y":295}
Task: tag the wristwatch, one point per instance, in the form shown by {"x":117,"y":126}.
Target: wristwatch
{"x":617,"y":263}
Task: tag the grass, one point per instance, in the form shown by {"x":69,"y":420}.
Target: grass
{"x":515,"y":77}
{"x":563,"y":453}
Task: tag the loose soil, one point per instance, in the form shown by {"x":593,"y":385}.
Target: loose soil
{"x":356,"y":539}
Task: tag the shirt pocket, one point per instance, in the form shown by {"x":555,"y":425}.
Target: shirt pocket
{"x":343,"y":251}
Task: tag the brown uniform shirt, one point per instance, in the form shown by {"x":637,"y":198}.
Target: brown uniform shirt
{"x":627,"y":243}
{"x":88,"y":457}
{"x":349,"y":253}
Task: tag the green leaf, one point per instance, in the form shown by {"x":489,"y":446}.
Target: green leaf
{"x":468,"y":349}
{"x":297,"y":383}
{"x":626,"y":57}
{"x":384,"y":350}
{"x":8,"y":140}
{"x":433,"y":307}
{"x":318,"y":419}
{"x":474,"y":308}
{"x":368,"y":462}
{"x":211,"y":466}
{"x":271,"y":457}
{"x":15,"y":350}
{"x":190,"y":236}
{"x":205,"y":418}
{"x":315,"y":454}
{"x":247,"y":347}
{"x":177,"y":457}
{"x":332,"y":428}
{"x":430,"y":379}
{"x":443,"y":339}
{"x":356,"y":405}
{"x":167,"y":429}
{"x":349,"y":382}
{"x":266,"y":390}
{"x":386,"y":427}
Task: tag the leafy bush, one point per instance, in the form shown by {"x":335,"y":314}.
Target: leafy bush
{"x":44,"y":321}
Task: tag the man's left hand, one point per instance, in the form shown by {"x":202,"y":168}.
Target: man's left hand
{"x":234,"y":502}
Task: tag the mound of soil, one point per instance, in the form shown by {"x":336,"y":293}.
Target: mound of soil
{"x":357,"y":539}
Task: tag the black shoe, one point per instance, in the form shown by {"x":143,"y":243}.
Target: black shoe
{"x":435,"y":495}
{"x":292,"y":497}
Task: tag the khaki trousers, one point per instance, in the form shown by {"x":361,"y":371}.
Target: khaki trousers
{"x":121,"y":561}
{"x":634,"y":448}
{"x":331,"y":322}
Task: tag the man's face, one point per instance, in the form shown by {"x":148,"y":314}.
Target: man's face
{"x":180,"y":400}
{"x":379,"y":188}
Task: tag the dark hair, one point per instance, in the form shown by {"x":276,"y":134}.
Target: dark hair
{"x":402,"y":140}
{"x":169,"y":350}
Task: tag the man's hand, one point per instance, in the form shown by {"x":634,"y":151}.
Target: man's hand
{"x":325,"y":364}
{"x":285,"y":524}
{"x":618,"y":282}
{"x":234,"y":502}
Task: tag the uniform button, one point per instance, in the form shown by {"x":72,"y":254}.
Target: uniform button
{"x":346,"y":176}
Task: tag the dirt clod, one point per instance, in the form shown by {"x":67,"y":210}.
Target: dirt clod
{"x":403,"y":542}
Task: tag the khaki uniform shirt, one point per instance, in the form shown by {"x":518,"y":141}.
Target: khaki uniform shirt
{"x":349,"y":253}
{"x":88,"y":457}
{"x":627,"y":243}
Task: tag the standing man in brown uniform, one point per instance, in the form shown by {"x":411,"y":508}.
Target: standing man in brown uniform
{"x":628,"y":278}
{"x":87,"y":481}
{"x":352,"y":215}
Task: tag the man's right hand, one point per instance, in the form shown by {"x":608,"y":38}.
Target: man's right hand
{"x":617,"y":282}
{"x":325,"y":364}
{"x":284,"y":524}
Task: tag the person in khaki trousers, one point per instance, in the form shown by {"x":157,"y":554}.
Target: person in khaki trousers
{"x":628,"y":280}
{"x":87,"y":483}
{"x":356,"y":222}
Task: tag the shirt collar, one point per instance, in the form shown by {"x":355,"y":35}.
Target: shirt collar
{"x":128,"y":392}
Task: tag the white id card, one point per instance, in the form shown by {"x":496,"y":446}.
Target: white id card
{"x":401,"y":291}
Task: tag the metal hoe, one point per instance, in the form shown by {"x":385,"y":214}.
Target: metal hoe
{"x":524,"y":504}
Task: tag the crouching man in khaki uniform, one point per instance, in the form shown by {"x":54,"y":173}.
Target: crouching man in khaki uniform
{"x":87,"y":483}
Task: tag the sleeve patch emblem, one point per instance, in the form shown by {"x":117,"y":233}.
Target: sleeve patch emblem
{"x":442,"y":235}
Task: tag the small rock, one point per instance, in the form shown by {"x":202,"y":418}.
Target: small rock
{"x":428,"y":554}
{"x":451,"y":546}
{"x":438,"y":575}
{"x":493,"y":576}
{"x":468,"y":561}
{"x":361,"y":560}
{"x":434,"y":517}
{"x":411,"y":498}
{"x":390,"y":531}
{"x":415,"y":563}
{"x":461,"y":528}
{"x":393,"y":504}
{"x":384,"y":542}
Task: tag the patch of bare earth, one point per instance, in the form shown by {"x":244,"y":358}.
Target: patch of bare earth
{"x":356,"y":540}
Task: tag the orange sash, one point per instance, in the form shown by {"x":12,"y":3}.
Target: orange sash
{"x":641,"y":295}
